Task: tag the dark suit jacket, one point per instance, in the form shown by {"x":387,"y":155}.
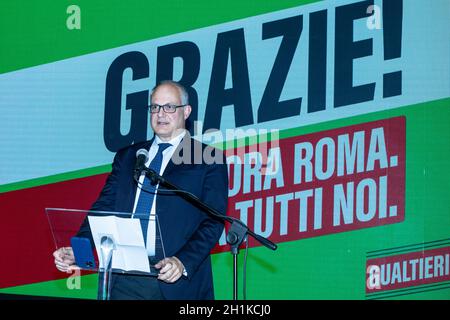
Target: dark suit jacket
{"x":188,"y":232}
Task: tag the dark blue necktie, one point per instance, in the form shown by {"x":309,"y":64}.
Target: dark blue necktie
{"x":147,"y":194}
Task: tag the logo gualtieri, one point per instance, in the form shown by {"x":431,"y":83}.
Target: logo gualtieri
{"x":419,"y":269}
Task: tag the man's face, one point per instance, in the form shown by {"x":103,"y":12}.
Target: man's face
{"x":168,"y":125}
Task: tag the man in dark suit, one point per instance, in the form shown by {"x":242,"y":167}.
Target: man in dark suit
{"x":189,"y":234}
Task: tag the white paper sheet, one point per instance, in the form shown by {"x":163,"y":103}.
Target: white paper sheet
{"x":130,"y":253}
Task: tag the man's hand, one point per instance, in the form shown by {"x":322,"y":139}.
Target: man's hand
{"x":171,"y":269}
{"x":65,"y":260}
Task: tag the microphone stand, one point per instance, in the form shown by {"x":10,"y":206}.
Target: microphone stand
{"x":107,"y":247}
{"x":236,"y":234}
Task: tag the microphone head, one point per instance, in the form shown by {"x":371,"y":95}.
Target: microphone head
{"x":141,"y":158}
{"x":142,"y":152}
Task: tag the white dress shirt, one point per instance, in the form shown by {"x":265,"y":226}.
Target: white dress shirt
{"x":167,"y":154}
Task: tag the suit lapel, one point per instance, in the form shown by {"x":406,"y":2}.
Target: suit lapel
{"x":185,"y":144}
{"x":133,"y":189}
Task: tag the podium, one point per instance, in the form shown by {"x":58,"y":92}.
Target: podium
{"x":107,"y":242}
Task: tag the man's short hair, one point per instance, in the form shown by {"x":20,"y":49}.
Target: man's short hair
{"x":184,"y":97}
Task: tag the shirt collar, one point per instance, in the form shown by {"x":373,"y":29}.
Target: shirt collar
{"x":174,"y":142}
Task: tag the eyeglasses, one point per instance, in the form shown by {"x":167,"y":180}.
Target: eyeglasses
{"x":168,"y":108}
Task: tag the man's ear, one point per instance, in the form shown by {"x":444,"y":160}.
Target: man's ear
{"x":187,"y":111}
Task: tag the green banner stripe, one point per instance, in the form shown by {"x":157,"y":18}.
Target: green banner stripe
{"x":408,"y":248}
{"x":85,"y":287}
{"x":36,"y":32}
{"x":437,"y":242}
{"x":405,"y":251}
{"x":441,"y":105}
{"x":83,"y":173}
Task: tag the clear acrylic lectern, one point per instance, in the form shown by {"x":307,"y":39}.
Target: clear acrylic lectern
{"x":107,"y":242}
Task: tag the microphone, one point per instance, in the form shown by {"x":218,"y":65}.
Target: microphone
{"x":238,"y":228}
{"x":141,"y":159}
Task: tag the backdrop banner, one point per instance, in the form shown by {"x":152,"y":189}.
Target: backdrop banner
{"x":333,"y":116}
